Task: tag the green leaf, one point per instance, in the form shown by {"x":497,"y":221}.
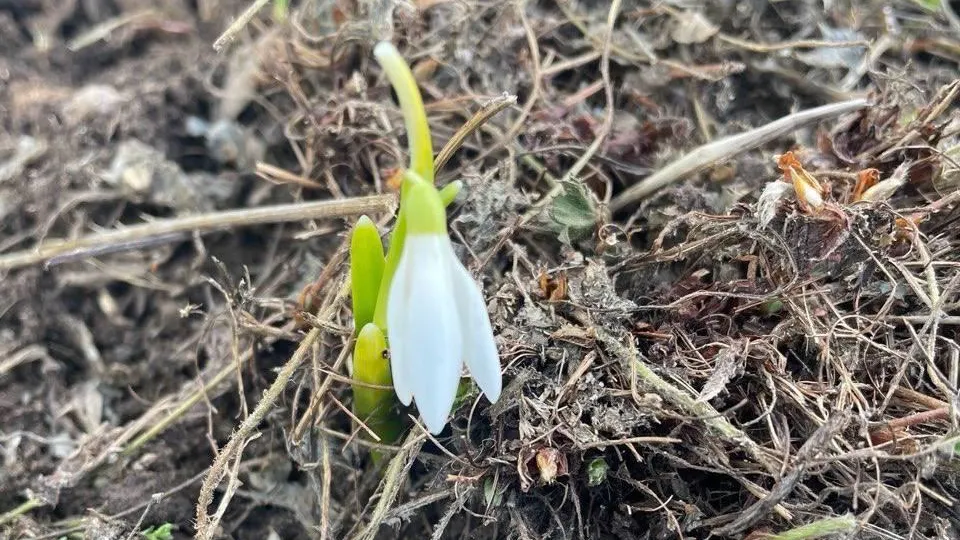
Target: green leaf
{"x":492,"y":494}
{"x":772,"y":307}
{"x":376,"y":407}
{"x":597,"y":472}
{"x":366,"y":271}
{"x":466,"y":391}
{"x":930,"y":5}
{"x":450,"y":191}
{"x":163,"y":532}
{"x":574,"y":212}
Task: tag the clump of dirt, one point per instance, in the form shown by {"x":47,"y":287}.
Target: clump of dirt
{"x":753,"y":350}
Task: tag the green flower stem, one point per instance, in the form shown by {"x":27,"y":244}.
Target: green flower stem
{"x":374,"y":406}
{"x":366,"y":271}
{"x":421,"y":163}
{"x":411,"y":103}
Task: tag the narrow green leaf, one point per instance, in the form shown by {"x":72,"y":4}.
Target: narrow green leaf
{"x":366,"y":270}
{"x":376,"y":407}
{"x":397,"y":240}
{"x":820,"y":529}
{"x":450,"y":191}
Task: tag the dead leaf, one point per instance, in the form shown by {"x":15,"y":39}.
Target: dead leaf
{"x":726,"y":365}
{"x":394,"y":178}
{"x":583,"y":337}
{"x":692,"y":27}
{"x":551,"y":463}
{"x":554,"y":289}
{"x":809,"y":191}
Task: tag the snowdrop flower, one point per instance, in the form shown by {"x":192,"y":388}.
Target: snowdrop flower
{"x":436,"y":316}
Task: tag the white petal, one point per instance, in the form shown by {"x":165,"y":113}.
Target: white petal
{"x":479,"y":348}
{"x":397,"y":300}
{"x":429,"y":340}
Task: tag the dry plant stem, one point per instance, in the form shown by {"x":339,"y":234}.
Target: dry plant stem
{"x":205,"y":527}
{"x":272,"y":173}
{"x":185,"y":406}
{"x":728,"y":147}
{"x":488,"y":110}
{"x":799,"y":44}
{"x":602,"y":133}
{"x":888,"y":431}
{"x":201,"y":223}
{"x":104,"y":29}
{"x":325,"y":489}
{"x":919,"y":398}
{"x":788,"y":482}
{"x":230,"y":33}
{"x":687,"y":404}
{"x":392,"y":480}
{"x":25,"y":507}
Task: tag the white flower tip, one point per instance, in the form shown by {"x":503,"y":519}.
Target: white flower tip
{"x":435,"y":418}
{"x":384,"y":48}
{"x":485,"y":370}
{"x":494,"y":394}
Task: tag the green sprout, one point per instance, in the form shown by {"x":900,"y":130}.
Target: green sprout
{"x":366,"y":269}
{"x":163,"y":532}
{"x":375,"y":406}
{"x":281,"y":10}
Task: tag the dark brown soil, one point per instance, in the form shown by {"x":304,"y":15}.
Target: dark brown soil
{"x":715,"y":358}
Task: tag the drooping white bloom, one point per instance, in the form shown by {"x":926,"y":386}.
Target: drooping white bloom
{"x":436,"y":317}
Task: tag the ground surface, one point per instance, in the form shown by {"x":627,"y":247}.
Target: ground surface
{"x":690,"y":361}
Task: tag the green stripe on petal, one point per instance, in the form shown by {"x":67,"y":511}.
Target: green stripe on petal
{"x":420,"y":202}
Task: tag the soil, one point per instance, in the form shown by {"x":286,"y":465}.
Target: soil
{"x":755,"y":348}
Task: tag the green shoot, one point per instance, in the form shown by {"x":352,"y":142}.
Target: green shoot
{"x":163,"y":532}
{"x":366,"y":270}
{"x":374,"y":406}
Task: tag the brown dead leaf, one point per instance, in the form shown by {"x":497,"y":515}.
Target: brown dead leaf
{"x":424,"y":69}
{"x":583,"y":337}
{"x":809,"y":191}
{"x":692,"y":27}
{"x":554,"y":289}
{"x":394,"y":178}
{"x":551,"y":463}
